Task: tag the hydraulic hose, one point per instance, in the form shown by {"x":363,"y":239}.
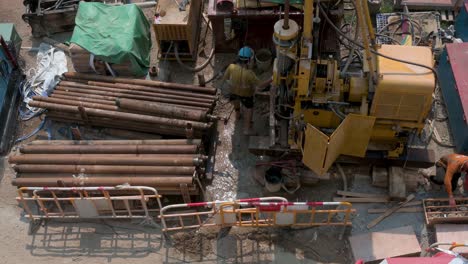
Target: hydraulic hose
{"x":372,"y":50}
{"x":192,"y":69}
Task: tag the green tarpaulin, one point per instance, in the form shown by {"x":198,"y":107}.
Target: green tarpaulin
{"x":114,"y":34}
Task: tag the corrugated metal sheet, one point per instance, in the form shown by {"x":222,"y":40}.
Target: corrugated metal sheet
{"x":458,"y":58}
{"x":453,"y":81}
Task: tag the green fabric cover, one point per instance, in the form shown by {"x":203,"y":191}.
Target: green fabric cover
{"x":114,"y":34}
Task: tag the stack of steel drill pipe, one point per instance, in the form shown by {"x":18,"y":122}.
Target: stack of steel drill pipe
{"x":163,"y":164}
{"x":172,"y":109}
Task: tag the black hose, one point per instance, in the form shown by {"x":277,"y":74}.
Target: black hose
{"x":192,"y":69}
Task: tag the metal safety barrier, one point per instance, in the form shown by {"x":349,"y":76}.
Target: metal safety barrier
{"x":258,"y":212}
{"x":119,"y":202}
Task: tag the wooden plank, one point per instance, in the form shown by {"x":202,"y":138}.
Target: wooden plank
{"x":413,"y":203}
{"x":376,"y":246}
{"x":362,"y":195}
{"x":389,"y":212}
{"x":397,"y":185}
{"x":401,"y":210}
{"x":361,"y":200}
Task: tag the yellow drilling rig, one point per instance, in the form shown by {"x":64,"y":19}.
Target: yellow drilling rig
{"x":322,"y":109}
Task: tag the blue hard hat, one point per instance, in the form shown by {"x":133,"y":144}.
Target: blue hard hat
{"x":245,"y":53}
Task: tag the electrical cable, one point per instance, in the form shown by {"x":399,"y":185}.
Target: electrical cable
{"x":373,"y":51}
{"x":351,"y":51}
{"x":41,"y":125}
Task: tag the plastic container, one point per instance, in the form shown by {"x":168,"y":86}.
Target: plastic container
{"x":273,"y":179}
{"x":263,"y":58}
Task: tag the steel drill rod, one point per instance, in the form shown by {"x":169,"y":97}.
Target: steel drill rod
{"x":165,"y":181}
{"x":151,"y":89}
{"x":120,"y":115}
{"x":92,"y":98}
{"x":75,"y":102}
{"x":166,"y":110}
{"x":187,"y":87}
{"x":109,"y":149}
{"x":96,"y":120}
{"x":192,"y":97}
{"x":82,"y":99}
{"x":104,"y":169}
{"x":104,"y":159}
{"x":120,"y":125}
{"x":119,"y":142}
{"x":185,"y":101}
{"x":135,"y":126}
{"x":155,"y":108}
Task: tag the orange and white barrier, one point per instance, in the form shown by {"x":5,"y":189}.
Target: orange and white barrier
{"x":120,"y":202}
{"x":257,"y":212}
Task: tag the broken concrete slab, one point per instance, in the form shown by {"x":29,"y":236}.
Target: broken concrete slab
{"x":449,"y":233}
{"x":375,"y":246}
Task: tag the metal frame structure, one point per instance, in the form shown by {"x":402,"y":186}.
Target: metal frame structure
{"x":89,"y":202}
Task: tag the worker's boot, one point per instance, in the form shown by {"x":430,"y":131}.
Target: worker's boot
{"x":248,"y":113}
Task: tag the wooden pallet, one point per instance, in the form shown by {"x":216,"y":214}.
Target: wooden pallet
{"x":438,"y":211}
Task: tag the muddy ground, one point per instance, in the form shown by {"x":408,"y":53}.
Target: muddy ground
{"x":124,"y":242}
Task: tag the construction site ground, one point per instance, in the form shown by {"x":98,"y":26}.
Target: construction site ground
{"x":125,"y":242}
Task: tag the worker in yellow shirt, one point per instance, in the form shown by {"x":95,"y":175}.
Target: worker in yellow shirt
{"x":243,"y":83}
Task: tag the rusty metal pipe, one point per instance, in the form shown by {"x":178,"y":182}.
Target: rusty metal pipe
{"x":185,"y":101}
{"x":191,"y":97}
{"x":151,"y":89}
{"x":187,"y":87}
{"x":104,"y":169}
{"x":83,"y":99}
{"x":109,"y":123}
{"x":133,"y":125}
{"x":119,"y":142}
{"x":165,"y":181}
{"x":127,"y":125}
{"x":120,"y":115}
{"x":155,"y":108}
{"x":108,"y":100}
{"x":104,"y":159}
{"x":76,"y":102}
{"x":109,"y":149}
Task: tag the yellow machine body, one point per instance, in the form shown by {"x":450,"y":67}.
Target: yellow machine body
{"x":379,"y":110}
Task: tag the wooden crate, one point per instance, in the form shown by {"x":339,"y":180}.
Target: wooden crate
{"x":174,"y":25}
{"x":80,"y":59}
{"x":438,"y":211}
